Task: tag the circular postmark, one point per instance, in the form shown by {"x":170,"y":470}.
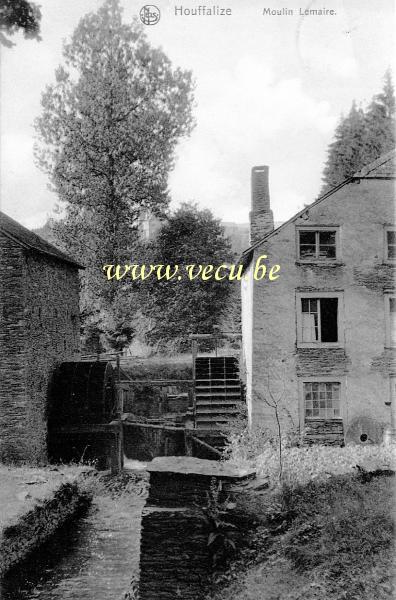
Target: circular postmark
{"x":149,"y":14}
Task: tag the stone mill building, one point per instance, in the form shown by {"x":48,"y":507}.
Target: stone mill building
{"x":320,"y":339}
{"x":39,"y":328}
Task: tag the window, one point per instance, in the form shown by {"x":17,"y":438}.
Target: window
{"x":390,"y":241}
{"x":392,"y":318}
{"x":390,"y":321}
{"x":322,"y":400}
{"x":318,"y":319}
{"x":317,"y":245}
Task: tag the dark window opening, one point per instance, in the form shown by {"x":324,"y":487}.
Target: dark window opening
{"x":319,"y":320}
{"x":328,"y":319}
{"x":392,"y":319}
{"x":391,"y":243}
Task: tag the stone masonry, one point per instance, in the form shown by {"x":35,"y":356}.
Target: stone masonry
{"x":261,"y":217}
{"x":39,"y":328}
{"x":175,"y":559}
{"x":362,"y":277}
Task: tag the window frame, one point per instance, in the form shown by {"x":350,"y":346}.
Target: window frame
{"x":320,"y":379}
{"x":387,"y":259}
{"x":317,"y":229}
{"x":392,"y":394}
{"x":388,"y":337}
{"x":340,"y":319}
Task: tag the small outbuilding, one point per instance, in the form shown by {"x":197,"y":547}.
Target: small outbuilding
{"x":39,"y":329}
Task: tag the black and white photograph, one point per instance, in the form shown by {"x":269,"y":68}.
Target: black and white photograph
{"x":197,"y":300}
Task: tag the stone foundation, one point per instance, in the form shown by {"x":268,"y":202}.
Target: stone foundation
{"x":175,"y":559}
{"x":17,"y":541}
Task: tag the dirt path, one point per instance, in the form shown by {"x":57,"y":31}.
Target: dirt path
{"x":96,"y":556}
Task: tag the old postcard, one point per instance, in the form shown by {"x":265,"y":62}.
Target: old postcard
{"x":197,"y":299}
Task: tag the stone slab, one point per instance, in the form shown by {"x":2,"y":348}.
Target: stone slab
{"x":188,"y":465}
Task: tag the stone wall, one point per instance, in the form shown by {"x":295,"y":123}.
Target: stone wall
{"x":175,"y":561}
{"x":13,"y":400}
{"x":361,"y":362}
{"x":175,"y":558}
{"x":145,"y":442}
{"x":39,"y":524}
{"x":39,"y":329}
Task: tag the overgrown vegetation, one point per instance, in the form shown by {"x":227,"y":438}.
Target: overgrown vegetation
{"x":329,"y":539}
{"x":322,"y":530}
{"x":342,"y":534}
{"x":222,"y":532}
{"x":258,"y":447}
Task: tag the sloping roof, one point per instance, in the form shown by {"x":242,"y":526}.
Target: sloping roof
{"x":382,"y":168}
{"x":32,"y":241}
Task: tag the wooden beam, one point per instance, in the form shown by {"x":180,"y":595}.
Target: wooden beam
{"x":158,"y":381}
{"x":152,"y":426}
{"x":207,"y":336}
{"x":206,"y":446}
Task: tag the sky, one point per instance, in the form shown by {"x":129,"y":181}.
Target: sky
{"x":269,"y":90}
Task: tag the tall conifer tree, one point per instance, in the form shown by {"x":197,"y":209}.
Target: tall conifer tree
{"x":106,"y":138}
{"x":347,"y":149}
{"x":380,"y":122}
{"x":361,"y":137}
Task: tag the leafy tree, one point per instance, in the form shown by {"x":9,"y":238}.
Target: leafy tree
{"x":106,"y":138}
{"x":361,"y":137}
{"x":19,"y":14}
{"x":176,"y":308}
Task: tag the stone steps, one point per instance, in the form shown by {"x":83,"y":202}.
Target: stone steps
{"x":217,"y":394}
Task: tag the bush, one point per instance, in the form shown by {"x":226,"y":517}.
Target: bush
{"x":245,"y":444}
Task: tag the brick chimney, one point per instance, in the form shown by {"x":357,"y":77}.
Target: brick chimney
{"x":261,"y":217}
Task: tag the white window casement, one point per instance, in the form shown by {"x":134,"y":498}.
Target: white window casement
{"x":390,"y":244}
{"x":318,"y":244}
{"x":322,"y":400}
{"x":319,"y":319}
{"x":390,"y":320}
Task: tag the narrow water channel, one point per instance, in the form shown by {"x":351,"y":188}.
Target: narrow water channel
{"x":94,"y":558}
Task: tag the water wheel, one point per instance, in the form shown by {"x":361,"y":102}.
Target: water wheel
{"x":82,"y":392}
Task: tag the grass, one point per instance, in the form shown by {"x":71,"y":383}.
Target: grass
{"x":329,"y":540}
{"x":302,"y":464}
{"x":341,"y":534}
{"x":23,"y":487}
